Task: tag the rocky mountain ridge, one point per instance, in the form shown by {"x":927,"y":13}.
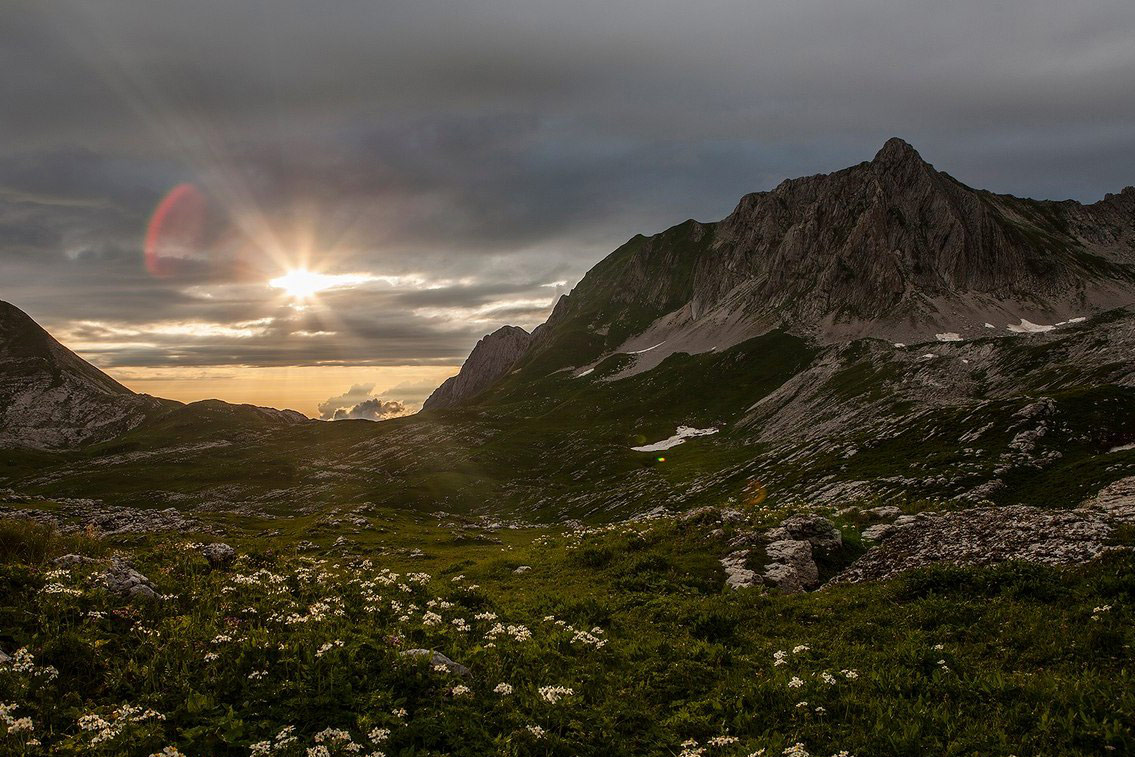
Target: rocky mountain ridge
{"x":890,"y":248}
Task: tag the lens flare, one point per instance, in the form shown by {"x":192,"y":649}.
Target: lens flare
{"x":174,"y":231}
{"x":755,"y":493}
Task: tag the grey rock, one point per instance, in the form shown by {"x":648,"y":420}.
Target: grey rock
{"x":737,"y":576}
{"x":490,"y":359}
{"x":522,"y":569}
{"x":791,"y":567}
{"x":219,"y":554}
{"x":1117,"y":500}
{"x":123,"y":580}
{"x":885,"y":511}
{"x":818,"y":531}
{"x":701,"y":516}
{"x":877,"y":532}
{"x":982,"y":536}
{"x":437,"y":658}
{"x":72,"y":560}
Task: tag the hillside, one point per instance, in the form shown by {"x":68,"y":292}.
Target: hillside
{"x":52,"y":399}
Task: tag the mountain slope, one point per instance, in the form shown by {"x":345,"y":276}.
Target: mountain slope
{"x":890,"y":248}
{"x":51,"y":399}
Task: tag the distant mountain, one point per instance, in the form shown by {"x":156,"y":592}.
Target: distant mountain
{"x":50,"y":398}
{"x":890,"y":248}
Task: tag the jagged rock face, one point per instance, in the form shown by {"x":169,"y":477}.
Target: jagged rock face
{"x":895,"y":249}
{"x":490,"y":360}
{"x":50,"y":398}
{"x":890,"y":248}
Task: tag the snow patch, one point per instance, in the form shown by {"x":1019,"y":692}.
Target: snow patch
{"x":585,"y":373}
{"x":1028,"y":327}
{"x":989,"y":325}
{"x":900,"y":345}
{"x":1121,"y":448}
{"x":929,"y":356}
{"x":683,"y":433}
{"x":1080,"y":319}
{"x":648,"y":349}
{"x":949,"y":336}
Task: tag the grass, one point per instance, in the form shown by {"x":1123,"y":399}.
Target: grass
{"x":632,"y":617}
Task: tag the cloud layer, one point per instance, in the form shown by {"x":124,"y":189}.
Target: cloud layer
{"x":470,"y":162}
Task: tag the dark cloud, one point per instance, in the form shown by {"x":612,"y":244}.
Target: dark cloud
{"x":488,"y":150}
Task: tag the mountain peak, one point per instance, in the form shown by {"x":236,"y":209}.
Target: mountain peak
{"x":490,"y":360}
{"x":51,"y":398}
{"x":895,"y":151}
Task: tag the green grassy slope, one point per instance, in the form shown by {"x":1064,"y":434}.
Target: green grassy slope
{"x":633,"y":619}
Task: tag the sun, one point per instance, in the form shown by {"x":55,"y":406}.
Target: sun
{"x":301,"y":284}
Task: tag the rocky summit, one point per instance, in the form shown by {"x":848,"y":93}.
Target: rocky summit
{"x":890,"y":249}
{"x":489,"y":361}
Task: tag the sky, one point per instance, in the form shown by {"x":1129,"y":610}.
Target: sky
{"x":170,"y":170}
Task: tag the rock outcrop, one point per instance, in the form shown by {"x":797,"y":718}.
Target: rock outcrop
{"x":492,"y":358}
{"x":72,"y":515}
{"x":121,"y":579}
{"x":50,"y":398}
{"x":218,"y":554}
{"x":983,"y":536}
{"x":790,"y":550}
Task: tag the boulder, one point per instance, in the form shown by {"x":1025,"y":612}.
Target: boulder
{"x":219,"y":554}
{"x":737,"y":576}
{"x":791,"y":567}
{"x":436,"y":659}
{"x":818,"y":531}
{"x":701,"y":516}
{"x":123,"y":580}
{"x":71,"y":560}
{"x":877,"y":532}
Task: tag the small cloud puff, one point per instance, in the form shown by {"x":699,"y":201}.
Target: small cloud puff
{"x":356,"y":403}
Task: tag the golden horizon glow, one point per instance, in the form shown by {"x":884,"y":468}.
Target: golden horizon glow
{"x":300,"y":388}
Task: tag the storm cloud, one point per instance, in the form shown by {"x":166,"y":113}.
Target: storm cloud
{"x":474,"y":160}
